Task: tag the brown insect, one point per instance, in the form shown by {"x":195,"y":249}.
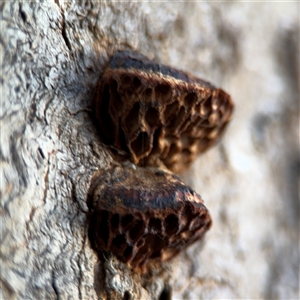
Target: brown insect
{"x":152,"y":115}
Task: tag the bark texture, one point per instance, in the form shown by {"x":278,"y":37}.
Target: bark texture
{"x":52,"y":54}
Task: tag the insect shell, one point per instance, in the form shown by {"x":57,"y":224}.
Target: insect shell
{"x":144,"y":216}
{"x":152,"y":112}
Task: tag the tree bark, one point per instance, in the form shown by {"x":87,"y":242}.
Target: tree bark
{"x":52,"y":54}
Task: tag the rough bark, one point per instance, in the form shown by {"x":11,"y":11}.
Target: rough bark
{"x":51,"y":56}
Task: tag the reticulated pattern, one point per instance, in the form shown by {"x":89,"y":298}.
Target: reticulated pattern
{"x":144,"y":216}
{"x":152,"y":112}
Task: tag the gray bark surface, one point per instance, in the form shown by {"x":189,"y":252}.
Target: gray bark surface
{"x":52,"y":54}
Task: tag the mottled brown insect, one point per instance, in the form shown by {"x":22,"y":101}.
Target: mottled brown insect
{"x":144,"y":215}
{"x":151,"y":112}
